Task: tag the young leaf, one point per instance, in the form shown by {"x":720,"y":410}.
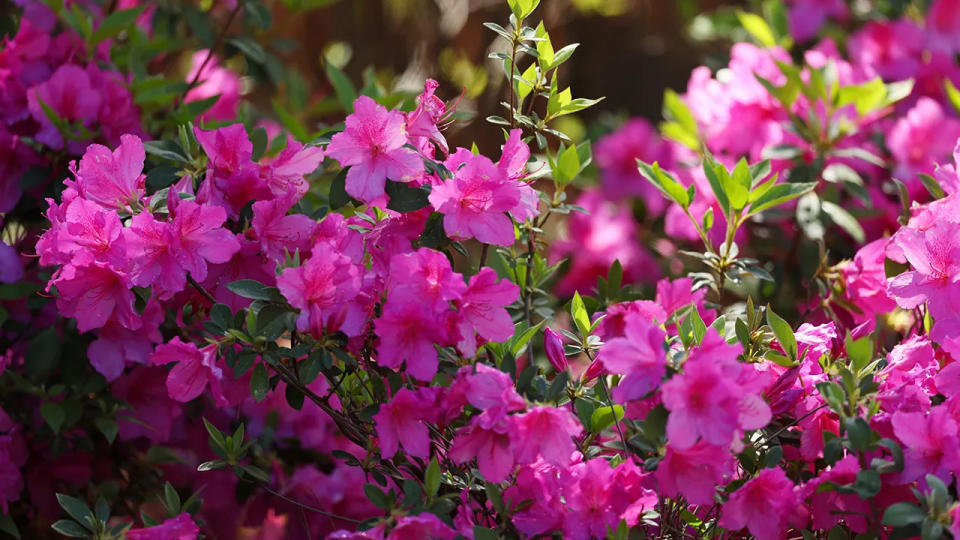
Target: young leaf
{"x":780,"y":194}
{"x":783,"y":332}
{"x":758,"y":28}
{"x":579,"y":313}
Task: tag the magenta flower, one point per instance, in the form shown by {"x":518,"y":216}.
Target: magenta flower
{"x":215,"y":80}
{"x":325,"y":288}
{"x":408,"y":331}
{"x":198,"y":237}
{"x":639,"y":355}
{"x":924,"y":136}
{"x":829,"y":507}
{"x":590,"y":506}
{"x":931,"y":444}
{"x":152,"y":412}
{"x":553,"y":346}
{"x":476,"y":201}
{"x":546,"y":432}
{"x":72,"y":96}
{"x":807,"y":16}
{"x":425,"y":274}
{"x":404,"y":421}
{"x":373,"y":146}
{"x":114,"y":180}
{"x":233,"y":180}
{"x":423,"y":122}
{"x":483,"y":308}
{"x":708,"y":400}
{"x":95,"y":294}
{"x":88,"y":234}
{"x":279,"y":233}
{"x":181,"y":527}
{"x":483,"y":387}
{"x":766,"y":505}
{"x":194,"y":370}
{"x":934,"y":255}
{"x":117,"y":346}
{"x":694,"y":472}
{"x":154,"y":263}
{"x":425,"y":525}
{"x":284,"y":174}
{"x":487,"y":439}
{"x":616,"y":156}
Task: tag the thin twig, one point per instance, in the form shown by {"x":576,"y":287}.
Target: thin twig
{"x":308,"y":507}
{"x":216,"y":45}
{"x":193,"y":283}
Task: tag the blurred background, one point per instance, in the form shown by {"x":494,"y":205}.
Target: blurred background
{"x":630,"y":51}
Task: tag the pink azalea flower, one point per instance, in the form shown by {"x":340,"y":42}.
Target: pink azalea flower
{"x":233,"y":180}
{"x":425,"y":274}
{"x":924,"y":136}
{"x":889,"y":49}
{"x":117,"y":346}
{"x":766,"y":505}
{"x":198,"y":236}
{"x":483,"y":387}
{"x":866,"y":280}
{"x":194,"y":370}
{"x":639,"y":355}
{"x":475,"y":202}
{"x":931,"y":444}
{"x":154,"y":262}
{"x":425,"y":525}
{"x":943,"y":24}
{"x":616,"y":155}
{"x":828,"y":508}
{"x":404,"y":420}
{"x":408,"y":331}
{"x":590,"y":506}
{"x":95,"y":294}
{"x":372,"y":145}
{"x":707,"y":399}
{"x":152,"y":412}
{"x":553,"y":347}
{"x":279,"y":233}
{"x":215,"y":80}
{"x":547,"y":432}
{"x":694,"y":472}
{"x":487,"y":439}
{"x":807,"y":16}
{"x":11,"y":267}
{"x":284,"y":174}
{"x":422,"y":122}
{"x":72,"y":96}
{"x":325,"y":288}
{"x":181,"y":527}
{"x":90,"y":234}
{"x":934,"y":255}
{"x":538,"y":483}
{"x":482,"y":308}
{"x":594,"y":241}
{"x":114,"y":180}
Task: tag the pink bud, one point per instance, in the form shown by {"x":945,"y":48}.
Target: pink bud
{"x":553,"y":344}
{"x":594,"y":370}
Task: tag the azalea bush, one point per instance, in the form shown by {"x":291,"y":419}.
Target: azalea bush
{"x":226,"y":320}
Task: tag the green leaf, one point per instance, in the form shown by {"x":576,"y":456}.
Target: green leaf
{"x":249,"y":288}
{"x":783,"y":332}
{"x":952,"y":94}
{"x":211,"y":465}
{"x":108,"y":427}
{"x":758,"y":28}
{"x":432,"y":479}
{"x":483,"y":533}
{"x":161,"y":177}
{"x":568,"y":166}
{"x":259,"y":382}
{"x":259,"y":139}
{"x":8,"y":526}
{"x":780,"y":194}
{"x":932,"y":185}
{"x":289,"y":121}
{"x":719,"y":191}
{"x":664,"y":182}
{"x":171,"y":499}
{"x":189,"y":111}
{"x":844,"y":220}
{"x":675,"y":110}
{"x":376,"y":496}
{"x":115,"y":23}
{"x":54,"y":415}
{"x":522,"y":8}
{"x":166,"y":149}
{"x":250,"y":48}
{"x":603,"y":417}
{"x":860,"y":352}
{"x":342,"y":86}
{"x":859,"y":433}
{"x":903,"y":514}
{"x":76,"y":508}
{"x":866,"y":97}
{"x":338,"y":190}
{"x":404,"y":198}
{"x":69,"y":529}
{"x":579,"y":313}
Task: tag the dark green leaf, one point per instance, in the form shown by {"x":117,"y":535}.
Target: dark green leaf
{"x":250,"y":48}
{"x":70,"y":529}
{"x":404,"y":198}
{"x":76,"y":508}
{"x":259,"y":383}
{"x":115,"y":23}
{"x":344,"y":89}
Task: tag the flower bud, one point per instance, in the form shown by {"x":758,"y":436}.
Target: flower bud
{"x":553,"y":344}
{"x":594,"y":370}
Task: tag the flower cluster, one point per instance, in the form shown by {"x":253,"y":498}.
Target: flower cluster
{"x":271,"y":323}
